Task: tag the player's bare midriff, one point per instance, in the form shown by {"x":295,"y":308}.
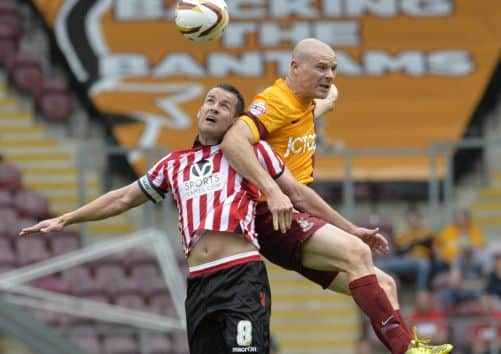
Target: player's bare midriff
{"x":214,"y":245}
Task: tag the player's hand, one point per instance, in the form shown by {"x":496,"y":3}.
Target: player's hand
{"x":45,"y":226}
{"x":373,"y":239}
{"x":281,"y":209}
{"x":324,"y":105}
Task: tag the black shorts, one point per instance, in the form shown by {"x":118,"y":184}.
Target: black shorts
{"x":228,"y":311}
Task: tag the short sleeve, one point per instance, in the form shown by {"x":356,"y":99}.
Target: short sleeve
{"x":264,"y":117}
{"x":155,"y":183}
{"x":269,"y":159}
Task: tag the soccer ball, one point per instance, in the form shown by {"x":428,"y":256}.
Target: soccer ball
{"x":201,"y":20}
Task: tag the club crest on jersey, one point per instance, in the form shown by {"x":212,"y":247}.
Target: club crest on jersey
{"x":203,"y":179}
{"x":304,"y":224}
{"x":258,"y":108}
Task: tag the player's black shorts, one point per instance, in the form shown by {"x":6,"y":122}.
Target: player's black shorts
{"x":228,"y":311}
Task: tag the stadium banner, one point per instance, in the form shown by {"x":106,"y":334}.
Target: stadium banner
{"x":410,"y":71}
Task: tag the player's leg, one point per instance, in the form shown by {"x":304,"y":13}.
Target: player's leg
{"x":208,"y":338}
{"x":340,"y":285}
{"x":247,"y":321}
{"x":331,"y":248}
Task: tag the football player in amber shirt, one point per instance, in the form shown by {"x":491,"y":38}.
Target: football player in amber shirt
{"x":321,"y":244}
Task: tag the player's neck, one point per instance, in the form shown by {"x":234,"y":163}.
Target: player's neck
{"x":295,"y":90}
{"x":206,"y":140}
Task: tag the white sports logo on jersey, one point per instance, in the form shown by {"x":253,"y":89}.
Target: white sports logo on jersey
{"x":202,"y":180}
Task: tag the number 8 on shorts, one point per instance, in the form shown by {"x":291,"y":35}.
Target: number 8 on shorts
{"x":244,"y":333}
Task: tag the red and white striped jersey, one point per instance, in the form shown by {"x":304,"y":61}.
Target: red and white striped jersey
{"x":209,"y":194}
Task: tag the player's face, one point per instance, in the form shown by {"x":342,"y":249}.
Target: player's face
{"x":216,"y":115}
{"x":315,"y":75}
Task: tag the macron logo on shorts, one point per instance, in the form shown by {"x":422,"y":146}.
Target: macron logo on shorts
{"x":244,"y":350}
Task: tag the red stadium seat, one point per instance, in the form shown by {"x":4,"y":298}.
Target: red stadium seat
{"x":7,"y":255}
{"x":158,"y":343}
{"x":6,"y":199}
{"x":9,"y":223}
{"x":10,"y":176}
{"x":120,"y":344}
{"x":9,"y":45}
{"x":146,"y":276}
{"x":179,"y":343}
{"x":88,"y":341}
{"x":138,"y":257}
{"x":25,"y":73}
{"x":64,"y":242}
{"x":161,"y":303}
{"x":54,"y":101}
{"x":108,"y":276}
{"x":81,"y":281}
{"x":31,"y":204}
{"x":31,"y":250}
{"x":52,"y":283}
{"x":130,"y":301}
{"x":10,"y":16}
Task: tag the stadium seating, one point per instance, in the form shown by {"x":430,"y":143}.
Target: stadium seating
{"x":10,"y":16}
{"x":179,"y":343}
{"x":53,"y":101}
{"x":146,"y":276}
{"x":31,"y":204}
{"x":158,"y":343}
{"x":10,"y":176}
{"x":138,"y":257}
{"x":7,"y":255}
{"x":88,"y":341}
{"x":25,"y":74}
{"x":160,"y":302}
{"x":131,"y":300}
{"x":31,"y":250}
{"x":6,"y":199}
{"x":120,"y":344}
{"x":9,"y":45}
{"x":8,"y":223}
{"x":109,"y":276}
{"x":64,"y":242}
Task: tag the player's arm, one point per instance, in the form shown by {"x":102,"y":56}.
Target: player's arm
{"x":307,"y":200}
{"x":110,"y":204}
{"x":325,"y":105}
{"x":238,"y":150}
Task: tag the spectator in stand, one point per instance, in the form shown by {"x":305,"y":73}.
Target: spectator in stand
{"x":467,"y":279}
{"x":487,"y":330}
{"x":493,"y":289}
{"x":463,"y":230}
{"x":412,"y":250}
{"x":428,"y":318}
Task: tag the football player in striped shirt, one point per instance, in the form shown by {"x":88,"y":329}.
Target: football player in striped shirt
{"x":320,"y":243}
{"x":228,"y":300}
